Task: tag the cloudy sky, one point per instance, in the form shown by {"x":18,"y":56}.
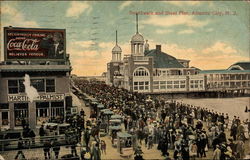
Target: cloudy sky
{"x":211,"y":41}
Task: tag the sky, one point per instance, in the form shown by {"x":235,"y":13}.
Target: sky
{"x":211,"y":34}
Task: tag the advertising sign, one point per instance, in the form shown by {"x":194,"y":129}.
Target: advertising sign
{"x":34,"y":44}
{"x":44,"y":97}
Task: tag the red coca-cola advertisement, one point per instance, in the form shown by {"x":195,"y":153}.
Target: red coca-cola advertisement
{"x":34,"y":44}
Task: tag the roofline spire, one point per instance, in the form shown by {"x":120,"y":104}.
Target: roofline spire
{"x":116,"y":37}
{"x":136,"y":22}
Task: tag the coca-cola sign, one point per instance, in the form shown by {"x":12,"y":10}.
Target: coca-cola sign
{"x":34,"y":44}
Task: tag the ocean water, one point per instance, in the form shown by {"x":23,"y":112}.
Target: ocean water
{"x":232,"y":106}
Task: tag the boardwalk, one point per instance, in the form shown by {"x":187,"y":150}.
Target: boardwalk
{"x":112,"y":153}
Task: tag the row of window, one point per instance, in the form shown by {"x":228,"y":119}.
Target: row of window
{"x":196,"y":81}
{"x":229,"y":77}
{"x":167,"y":73}
{"x":196,"y":86}
{"x":141,"y":85}
{"x":41,"y":85}
{"x":177,"y":86}
{"x":229,"y":84}
{"x":169,"y":82}
{"x":169,"y":86}
{"x":43,"y":112}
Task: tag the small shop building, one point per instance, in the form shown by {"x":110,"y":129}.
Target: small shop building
{"x":52,"y":83}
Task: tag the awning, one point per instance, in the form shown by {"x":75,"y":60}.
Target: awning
{"x":115,"y":120}
{"x":123,"y":135}
{"x":116,"y":116}
{"x":108,"y":112}
{"x":94,"y":102}
{"x":100,"y":105}
{"x":51,"y":124}
{"x":115,"y":127}
{"x":104,"y":110}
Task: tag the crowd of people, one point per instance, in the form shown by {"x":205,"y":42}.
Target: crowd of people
{"x":184,"y":131}
{"x":189,"y":131}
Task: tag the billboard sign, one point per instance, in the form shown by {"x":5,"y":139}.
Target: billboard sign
{"x":34,"y":44}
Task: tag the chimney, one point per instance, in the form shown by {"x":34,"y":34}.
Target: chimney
{"x":158,"y":48}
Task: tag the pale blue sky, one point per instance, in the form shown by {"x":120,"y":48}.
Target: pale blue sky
{"x":209,"y":41}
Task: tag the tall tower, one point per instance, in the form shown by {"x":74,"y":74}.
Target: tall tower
{"x":146,"y":46}
{"x":137,"y":42}
{"x":116,"y":51}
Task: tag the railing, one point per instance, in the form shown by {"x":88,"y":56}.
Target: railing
{"x":28,"y":143}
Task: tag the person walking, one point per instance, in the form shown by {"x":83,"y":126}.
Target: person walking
{"x":240,"y":153}
{"x":56,"y":148}
{"x":32,"y":135}
{"x":217,"y":153}
{"x":96,"y":153}
{"x":193,"y":150}
{"x":73,"y":149}
{"x":46,"y":149}
{"x":103,"y":146}
{"x":203,"y":144}
{"x":233,"y":132}
{"x":41,"y":133}
{"x":150,"y":142}
{"x":20,"y":152}
{"x":87,"y":138}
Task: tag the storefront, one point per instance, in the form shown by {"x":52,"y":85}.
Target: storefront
{"x":49,"y":111}
{"x":52,"y":83}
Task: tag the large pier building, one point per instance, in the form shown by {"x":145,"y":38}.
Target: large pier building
{"x":147,"y":70}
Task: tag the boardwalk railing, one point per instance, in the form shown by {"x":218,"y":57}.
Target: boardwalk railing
{"x":37,"y":142}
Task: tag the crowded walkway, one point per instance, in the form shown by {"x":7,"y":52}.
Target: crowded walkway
{"x":189,"y":131}
{"x":160,"y":128}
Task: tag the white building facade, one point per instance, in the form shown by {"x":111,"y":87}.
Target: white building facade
{"x":147,"y":70}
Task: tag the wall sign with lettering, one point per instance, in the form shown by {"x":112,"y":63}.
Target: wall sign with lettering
{"x":44,"y":97}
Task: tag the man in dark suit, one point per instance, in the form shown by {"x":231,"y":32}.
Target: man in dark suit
{"x":54,"y":46}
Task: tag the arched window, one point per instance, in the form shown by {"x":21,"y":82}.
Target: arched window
{"x":141,"y":72}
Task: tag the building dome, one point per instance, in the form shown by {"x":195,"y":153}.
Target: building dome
{"x":137,"y":38}
{"x":163,"y":60}
{"x":117,"y":49}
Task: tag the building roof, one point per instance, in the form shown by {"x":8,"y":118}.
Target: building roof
{"x":240,"y":66}
{"x":163,"y":60}
{"x":183,"y":60}
{"x":137,"y":38}
{"x":34,"y":68}
{"x":196,"y":68}
{"x":223,"y":71}
{"x":117,"y":49}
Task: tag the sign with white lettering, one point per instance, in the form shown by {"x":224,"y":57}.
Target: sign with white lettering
{"x":34,"y":44}
{"x":44,"y":97}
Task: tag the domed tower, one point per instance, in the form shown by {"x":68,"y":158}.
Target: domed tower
{"x":137,"y":42}
{"x":116,"y":51}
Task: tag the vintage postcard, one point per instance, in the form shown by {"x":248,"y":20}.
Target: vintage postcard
{"x":124,"y":80}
